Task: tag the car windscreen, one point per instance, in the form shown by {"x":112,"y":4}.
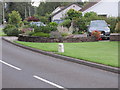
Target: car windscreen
{"x":98,"y":24}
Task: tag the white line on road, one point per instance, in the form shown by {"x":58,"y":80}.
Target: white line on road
{"x":51,"y":83}
{"x":10,"y":65}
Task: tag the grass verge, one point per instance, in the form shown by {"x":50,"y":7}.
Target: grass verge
{"x":1,"y":32}
{"x":99,"y":52}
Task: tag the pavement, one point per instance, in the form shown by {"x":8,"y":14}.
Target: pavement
{"x":22,"y":68}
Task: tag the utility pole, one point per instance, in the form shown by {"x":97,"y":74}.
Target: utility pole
{"x":25,"y":12}
{"x":3,"y":12}
{"x":29,"y":11}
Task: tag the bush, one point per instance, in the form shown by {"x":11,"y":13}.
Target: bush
{"x":11,"y":30}
{"x":41,"y":34}
{"x":112,"y":21}
{"x":26,"y":22}
{"x":55,"y":34}
{"x":73,"y":13}
{"x":64,"y":34}
{"x":7,"y":27}
{"x":66,"y":23}
{"x":96,"y":34}
{"x":32,"y":18}
{"x":45,"y":29}
{"x":15,"y":18}
{"x":53,"y":24}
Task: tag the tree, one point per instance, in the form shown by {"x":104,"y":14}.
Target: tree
{"x":73,"y":13}
{"x":90,"y":14}
{"x":15,"y":18}
{"x":24,"y":8}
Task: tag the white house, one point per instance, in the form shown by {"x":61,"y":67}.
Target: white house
{"x":109,"y":8}
{"x":60,"y":12}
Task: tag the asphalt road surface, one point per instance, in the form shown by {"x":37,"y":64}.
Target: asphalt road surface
{"x":26,"y":69}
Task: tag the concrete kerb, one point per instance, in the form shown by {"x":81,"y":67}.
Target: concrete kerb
{"x":91,"y":64}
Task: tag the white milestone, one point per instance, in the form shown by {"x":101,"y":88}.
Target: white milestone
{"x":61,"y":47}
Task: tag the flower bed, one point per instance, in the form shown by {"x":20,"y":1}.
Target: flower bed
{"x":48,"y":39}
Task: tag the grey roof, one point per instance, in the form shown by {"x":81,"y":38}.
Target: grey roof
{"x":64,"y":9}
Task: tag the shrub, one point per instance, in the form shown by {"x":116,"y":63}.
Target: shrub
{"x":15,"y":18}
{"x":64,"y":34}
{"x":96,"y":34}
{"x":66,"y":23}
{"x":112,"y":21}
{"x":26,"y":22}
{"x":7,"y":28}
{"x":32,"y":18}
{"x":41,"y":34}
{"x":45,"y":29}
{"x":90,"y":14}
{"x":53,"y":24}
{"x":11,"y":30}
{"x":55,"y":34}
{"x":73,"y":13}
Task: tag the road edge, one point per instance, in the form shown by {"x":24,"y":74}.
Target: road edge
{"x":83,"y":62}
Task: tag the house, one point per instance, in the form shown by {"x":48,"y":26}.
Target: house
{"x":60,"y":12}
{"x":108,"y":8}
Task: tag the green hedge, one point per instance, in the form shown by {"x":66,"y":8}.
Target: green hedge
{"x":41,"y":34}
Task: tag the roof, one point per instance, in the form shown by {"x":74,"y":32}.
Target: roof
{"x":90,"y":4}
{"x":63,"y":8}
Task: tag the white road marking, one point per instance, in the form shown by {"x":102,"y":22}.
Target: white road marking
{"x":10,"y":65}
{"x":51,"y":83}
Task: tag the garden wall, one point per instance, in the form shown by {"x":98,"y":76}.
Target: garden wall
{"x":115,"y":37}
{"x":46,"y":39}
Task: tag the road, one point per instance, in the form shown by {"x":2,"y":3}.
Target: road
{"x":22,"y":68}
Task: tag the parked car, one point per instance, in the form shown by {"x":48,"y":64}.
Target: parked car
{"x":37,"y":24}
{"x":101,"y":26}
{"x":58,"y":21}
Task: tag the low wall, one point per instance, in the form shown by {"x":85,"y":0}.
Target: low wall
{"x":46,"y":39}
{"x":115,"y":37}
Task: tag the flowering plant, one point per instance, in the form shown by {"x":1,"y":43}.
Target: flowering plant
{"x":96,"y":34}
{"x":32,"y":18}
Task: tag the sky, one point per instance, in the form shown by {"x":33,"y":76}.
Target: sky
{"x":37,"y":2}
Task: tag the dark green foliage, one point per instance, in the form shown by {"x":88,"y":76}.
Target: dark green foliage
{"x":11,"y":30}
{"x":66,"y":23}
{"x":90,"y":14}
{"x":26,"y":22}
{"x":45,"y":29}
{"x":79,"y":23}
{"x":73,"y":13}
{"x":112,"y":21}
{"x":41,"y":34}
{"x":20,"y":7}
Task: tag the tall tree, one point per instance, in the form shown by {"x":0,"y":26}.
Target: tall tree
{"x":24,"y":8}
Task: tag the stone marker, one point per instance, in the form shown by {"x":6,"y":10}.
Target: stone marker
{"x":60,"y":47}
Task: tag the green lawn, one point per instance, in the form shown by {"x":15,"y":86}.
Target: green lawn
{"x":99,"y":52}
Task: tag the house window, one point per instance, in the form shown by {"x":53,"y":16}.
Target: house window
{"x":103,"y":15}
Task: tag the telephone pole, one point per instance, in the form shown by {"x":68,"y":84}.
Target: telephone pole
{"x":3,"y":12}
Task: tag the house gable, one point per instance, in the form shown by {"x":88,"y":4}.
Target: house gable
{"x":61,"y":13}
{"x":104,"y":7}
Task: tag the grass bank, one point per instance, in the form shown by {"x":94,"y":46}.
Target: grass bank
{"x":99,"y":52}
